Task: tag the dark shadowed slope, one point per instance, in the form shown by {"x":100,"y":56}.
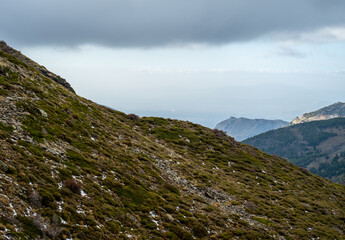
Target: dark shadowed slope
{"x":70,"y":168}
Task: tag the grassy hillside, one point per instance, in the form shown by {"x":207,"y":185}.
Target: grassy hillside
{"x":318,"y":146}
{"x":72,"y":169}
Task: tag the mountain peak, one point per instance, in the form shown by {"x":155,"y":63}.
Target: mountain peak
{"x":332,"y":111}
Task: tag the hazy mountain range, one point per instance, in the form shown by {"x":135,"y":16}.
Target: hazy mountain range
{"x":72,"y":169}
{"x":315,"y":141}
{"x":243,"y":128}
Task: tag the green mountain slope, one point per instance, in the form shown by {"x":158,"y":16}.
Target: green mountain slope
{"x":318,"y":146}
{"x":72,"y":169}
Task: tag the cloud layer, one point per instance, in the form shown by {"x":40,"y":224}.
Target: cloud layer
{"x":151,"y":23}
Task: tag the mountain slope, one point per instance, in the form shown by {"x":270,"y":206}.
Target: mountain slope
{"x":333,"y":111}
{"x":243,"y":128}
{"x":72,"y":169}
{"x":318,"y":146}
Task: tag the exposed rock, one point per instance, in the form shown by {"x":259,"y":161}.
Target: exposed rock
{"x":3,"y":166}
{"x":332,"y":111}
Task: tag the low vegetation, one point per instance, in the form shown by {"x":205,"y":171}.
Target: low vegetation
{"x":72,"y":169}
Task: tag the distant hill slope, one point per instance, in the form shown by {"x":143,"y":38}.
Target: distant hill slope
{"x":243,"y":128}
{"x":318,"y":146}
{"x":72,"y":169}
{"x":333,"y":111}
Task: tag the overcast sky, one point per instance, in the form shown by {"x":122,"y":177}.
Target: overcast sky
{"x":198,"y":60}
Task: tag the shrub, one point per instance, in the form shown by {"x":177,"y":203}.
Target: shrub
{"x":219,"y":133}
{"x":72,"y":185}
{"x":35,"y":198}
{"x":250,"y":206}
{"x":133,"y":117}
{"x":304,"y":170}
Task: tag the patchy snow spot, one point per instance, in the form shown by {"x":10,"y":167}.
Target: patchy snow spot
{"x":60,"y":185}
{"x":60,"y":205}
{"x":153,"y":214}
{"x":92,"y":127}
{"x":263,"y":171}
{"x":104,"y":176}
{"x":80,"y":211}
{"x":203,"y":163}
{"x":63,"y":222}
{"x":14,"y":211}
{"x":156,"y":222}
{"x":83,"y":194}
{"x":28,"y":212}
{"x":93,"y":139}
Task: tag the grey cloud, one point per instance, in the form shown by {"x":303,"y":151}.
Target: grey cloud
{"x":150,"y":23}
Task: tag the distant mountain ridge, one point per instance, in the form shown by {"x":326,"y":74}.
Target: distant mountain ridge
{"x":243,"y":128}
{"x":332,"y":111}
{"x":318,"y":146}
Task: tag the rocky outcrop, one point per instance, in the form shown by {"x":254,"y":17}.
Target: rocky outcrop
{"x":333,"y":111}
